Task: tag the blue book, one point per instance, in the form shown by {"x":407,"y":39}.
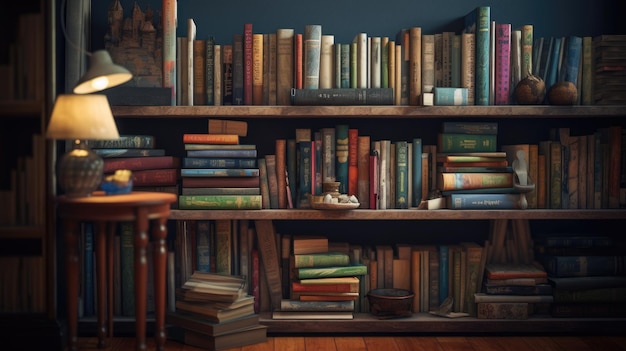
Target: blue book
{"x":208,"y":162}
{"x":88,"y":273}
{"x":478,"y":21}
{"x":219,"y":172}
{"x":341,"y":156}
{"x":484,"y":201}
{"x":571,"y":60}
{"x":444,"y":269}
{"x":416,"y":174}
{"x":203,"y":245}
{"x":552,"y":68}
{"x":222,"y":153}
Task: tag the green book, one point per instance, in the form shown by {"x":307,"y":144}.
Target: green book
{"x":336,"y":271}
{"x":318,"y":260}
{"x":219,"y":202}
{"x":456,"y":142}
{"x":402,"y":175}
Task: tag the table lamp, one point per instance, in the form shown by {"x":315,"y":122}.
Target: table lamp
{"x":102,"y":74}
{"x":80,"y":118}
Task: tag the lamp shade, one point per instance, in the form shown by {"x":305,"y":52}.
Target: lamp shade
{"x":82,"y":117}
{"x":102,"y":74}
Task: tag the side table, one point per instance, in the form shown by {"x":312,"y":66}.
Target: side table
{"x":146,"y":210}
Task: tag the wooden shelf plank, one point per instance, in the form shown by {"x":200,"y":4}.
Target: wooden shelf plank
{"x":294,"y":214}
{"x":367,"y":112}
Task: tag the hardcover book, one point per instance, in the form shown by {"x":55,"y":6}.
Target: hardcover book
{"x":235,"y":339}
{"x":219,"y":172}
{"x":325,"y":272}
{"x":466,"y":181}
{"x":478,"y":21}
{"x":462,"y":201}
{"x":135,"y":152}
{"x":342,"y":96}
{"x":448,"y":96}
{"x":453,"y":142}
{"x":325,"y":259}
{"x":140,"y":163}
{"x":209,"y":162}
{"x":223,"y":153}
{"x":216,"y":202}
{"x":200,"y":325}
{"x":502,"y":310}
{"x":124,"y":142}
{"x":220,"y":182}
{"x":342,"y":150}
{"x":312,"y":50}
{"x":316,"y":306}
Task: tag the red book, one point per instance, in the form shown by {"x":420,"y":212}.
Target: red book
{"x":503,"y":63}
{"x":298,"y":61}
{"x":353,"y":170}
{"x":155,"y":177}
{"x":247,"y":64}
{"x":220,"y":182}
{"x":140,"y":163}
{"x":224,"y":139}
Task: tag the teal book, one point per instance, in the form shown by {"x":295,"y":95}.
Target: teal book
{"x":402,"y":175}
{"x":325,"y":259}
{"x":214,"y":162}
{"x":444,"y":272}
{"x":478,"y":21}
{"x":571,"y":60}
{"x":485,"y":201}
{"x":219,"y":202}
{"x":342,"y":149}
{"x":416,"y":171}
{"x":447,"y":96}
{"x":203,"y":246}
{"x":453,"y":142}
{"x":219,"y":172}
{"x":326,"y":272}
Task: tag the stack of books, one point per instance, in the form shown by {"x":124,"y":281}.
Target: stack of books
{"x":610,"y":70}
{"x":324,"y":284}
{"x":513,"y":291}
{"x":587,"y":273}
{"x":152,"y":169}
{"x":215,"y":312}
{"x":471,"y":173}
{"x":219,"y":173}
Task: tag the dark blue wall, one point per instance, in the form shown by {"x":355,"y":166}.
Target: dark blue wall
{"x":346,"y":18}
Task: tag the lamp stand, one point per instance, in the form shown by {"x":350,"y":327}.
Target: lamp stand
{"x":79,"y":171}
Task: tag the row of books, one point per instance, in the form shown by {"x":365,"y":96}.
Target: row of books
{"x":267,"y":68}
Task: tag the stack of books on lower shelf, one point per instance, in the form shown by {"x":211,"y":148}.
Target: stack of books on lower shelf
{"x":587,"y":273}
{"x":324,"y":283}
{"x":471,"y":172}
{"x":214,"y":312}
{"x":219,"y":173}
{"x":513,"y":291}
{"x":152,"y":169}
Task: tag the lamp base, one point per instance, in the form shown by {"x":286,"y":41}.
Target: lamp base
{"x":79,"y":171}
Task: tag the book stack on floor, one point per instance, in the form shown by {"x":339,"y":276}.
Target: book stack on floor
{"x":214,"y":312}
{"x":218,"y":172}
{"x":587,"y":273}
{"x":324,"y":284}
{"x":471,"y":173}
{"x":513,"y":291}
{"x":152,"y":169}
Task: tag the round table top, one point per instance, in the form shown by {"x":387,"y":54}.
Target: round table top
{"x":133,"y":198}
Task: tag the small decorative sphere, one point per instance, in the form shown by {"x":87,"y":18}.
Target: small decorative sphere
{"x":530,"y":91}
{"x":563,"y":93}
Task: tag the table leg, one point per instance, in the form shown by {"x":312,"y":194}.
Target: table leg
{"x":110,"y":260}
{"x":101,"y":268}
{"x":71,"y":263}
{"x":141,"y":277}
{"x":159,"y":236}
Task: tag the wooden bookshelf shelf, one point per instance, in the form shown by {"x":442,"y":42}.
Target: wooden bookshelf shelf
{"x":367,"y":112}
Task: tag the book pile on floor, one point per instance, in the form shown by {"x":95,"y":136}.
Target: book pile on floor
{"x":471,"y":173}
{"x":152,"y":169}
{"x":215,"y":312}
{"x":587,"y":273}
{"x":218,"y":171}
{"x":513,"y":291}
{"x":324,"y":283}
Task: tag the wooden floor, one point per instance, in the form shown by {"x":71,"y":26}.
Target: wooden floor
{"x":408,"y":343}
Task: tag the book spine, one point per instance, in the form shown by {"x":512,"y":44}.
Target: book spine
{"x":484,"y":201}
{"x":587,"y":71}
{"x":225,"y":139}
{"x":455,"y":61}
{"x":124,"y":142}
{"x":363,"y":164}
{"x":272,"y":179}
{"x":220,"y":182}
{"x":342,"y":97}
{"x":281,"y":171}
{"x":169,"y":18}
{"x":401,"y":199}
{"x":203,"y":246}
{"x":361,"y":60}
{"x":444,"y":270}
{"x":527,"y":50}
{"x":572,"y":59}
{"x":209,"y":70}
{"x":224,"y":202}
{"x":502,"y":310}
{"x":321,"y":260}
{"x":228,"y":75}
{"x":503,"y":63}
{"x":111,"y":153}
{"x":218,"y":75}
{"x":468,"y":65}
{"x":234,"y":153}
{"x":415,"y":65}
{"x":247,"y":63}
{"x":446,"y":96}
{"x":223,"y":242}
{"x":344,"y":66}
{"x":266,"y":241}
{"x":342,"y":151}
{"x":257,"y":69}
{"x":298,"y":57}
{"x":345,"y":271}
{"x":219,"y":172}
{"x":452,"y":142}
{"x":480,"y":19}
{"x":326,"y":62}
{"x":155,"y":177}
{"x":353,"y":168}
{"x":199,"y":65}
{"x":428,"y":63}
{"x":375,"y":62}
{"x":312,"y":50}
{"x":237,"y":69}
{"x":470,"y":127}
{"x":198,"y":162}
{"x":191,"y":36}
{"x":139,"y":163}
{"x":416,"y":172}
{"x":285,"y":65}
{"x":88,"y":269}
{"x":583,"y":266}
{"x":295,"y":305}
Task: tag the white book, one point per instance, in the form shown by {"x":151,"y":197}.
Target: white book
{"x":376,"y":62}
{"x":327,"y":62}
{"x":191,"y":36}
{"x":361,"y":59}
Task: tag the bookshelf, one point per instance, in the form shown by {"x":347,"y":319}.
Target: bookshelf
{"x":512,"y":117}
{"x":27,"y":260}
